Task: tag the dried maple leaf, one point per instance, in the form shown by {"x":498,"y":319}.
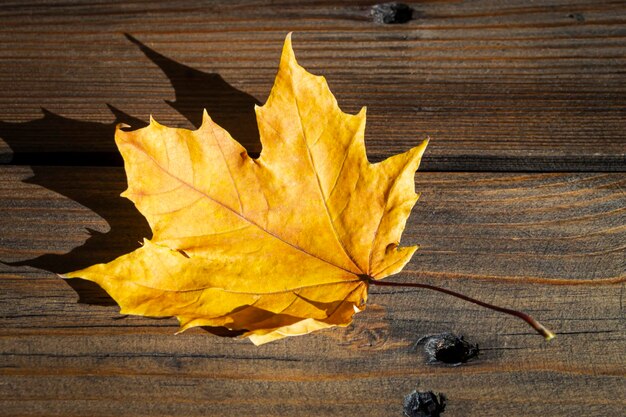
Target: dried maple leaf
{"x":276,"y":246}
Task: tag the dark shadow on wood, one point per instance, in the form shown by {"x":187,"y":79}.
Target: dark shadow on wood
{"x":75,"y":142}
{"x":90,"y":292}
{"x":195,"y":91}
{"x":223,"y":331}
{"x":127,"y":226}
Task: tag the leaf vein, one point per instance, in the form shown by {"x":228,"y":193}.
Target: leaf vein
{"x":319,"y":183}
{"x":232,"y":178}
{"x":193,"y":188}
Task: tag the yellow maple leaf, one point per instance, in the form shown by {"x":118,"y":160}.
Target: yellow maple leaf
{"x":276,"y":246}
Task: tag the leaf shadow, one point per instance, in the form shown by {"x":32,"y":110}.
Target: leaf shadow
{"x":80,"y":184}
{"x":195,"y":90}
{"x":85,"y":144}
{"x":243,"y":317}
{"x":90,"y":293}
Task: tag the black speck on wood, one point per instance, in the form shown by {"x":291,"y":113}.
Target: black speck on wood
{"x":424,"y":404}
{"x":390,"y":13}
{"x":579,"y":17}
{"x":448,"y":348}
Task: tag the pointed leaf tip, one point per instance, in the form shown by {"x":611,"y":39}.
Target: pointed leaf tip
{"x":288,"y":56}
{"x":206,"y":118}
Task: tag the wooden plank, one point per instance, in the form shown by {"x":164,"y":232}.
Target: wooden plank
{"x":550,"y":244}
{"x":469,"y":225}
{"x":518,"y":86}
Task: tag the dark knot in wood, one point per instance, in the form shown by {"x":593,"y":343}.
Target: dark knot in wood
{"x":424,"y":404}
{"x":391,"y":13}
{"x":448,"y":348}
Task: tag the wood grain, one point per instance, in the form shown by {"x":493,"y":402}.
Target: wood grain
{"x":533,"y":90}
{"x":550,"y":244}
{"x":512,"y":86}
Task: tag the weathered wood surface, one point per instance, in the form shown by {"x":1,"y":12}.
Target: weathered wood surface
{"x":499,"y":86}
{"x":550,"y":244}
{"x":513,"y":85}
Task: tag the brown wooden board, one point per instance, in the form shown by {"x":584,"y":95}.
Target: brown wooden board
{"x":498,"y":86}
{"x":512,"y":87}
{"x":551,"y":244}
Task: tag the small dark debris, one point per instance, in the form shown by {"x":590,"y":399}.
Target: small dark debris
{"x":579,"y":17}
{"x":424,"y":404}
{"x":448,"y":348}
{"x":391,"y":13}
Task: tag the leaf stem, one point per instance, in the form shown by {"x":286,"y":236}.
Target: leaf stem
{"x":540,"y":328}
